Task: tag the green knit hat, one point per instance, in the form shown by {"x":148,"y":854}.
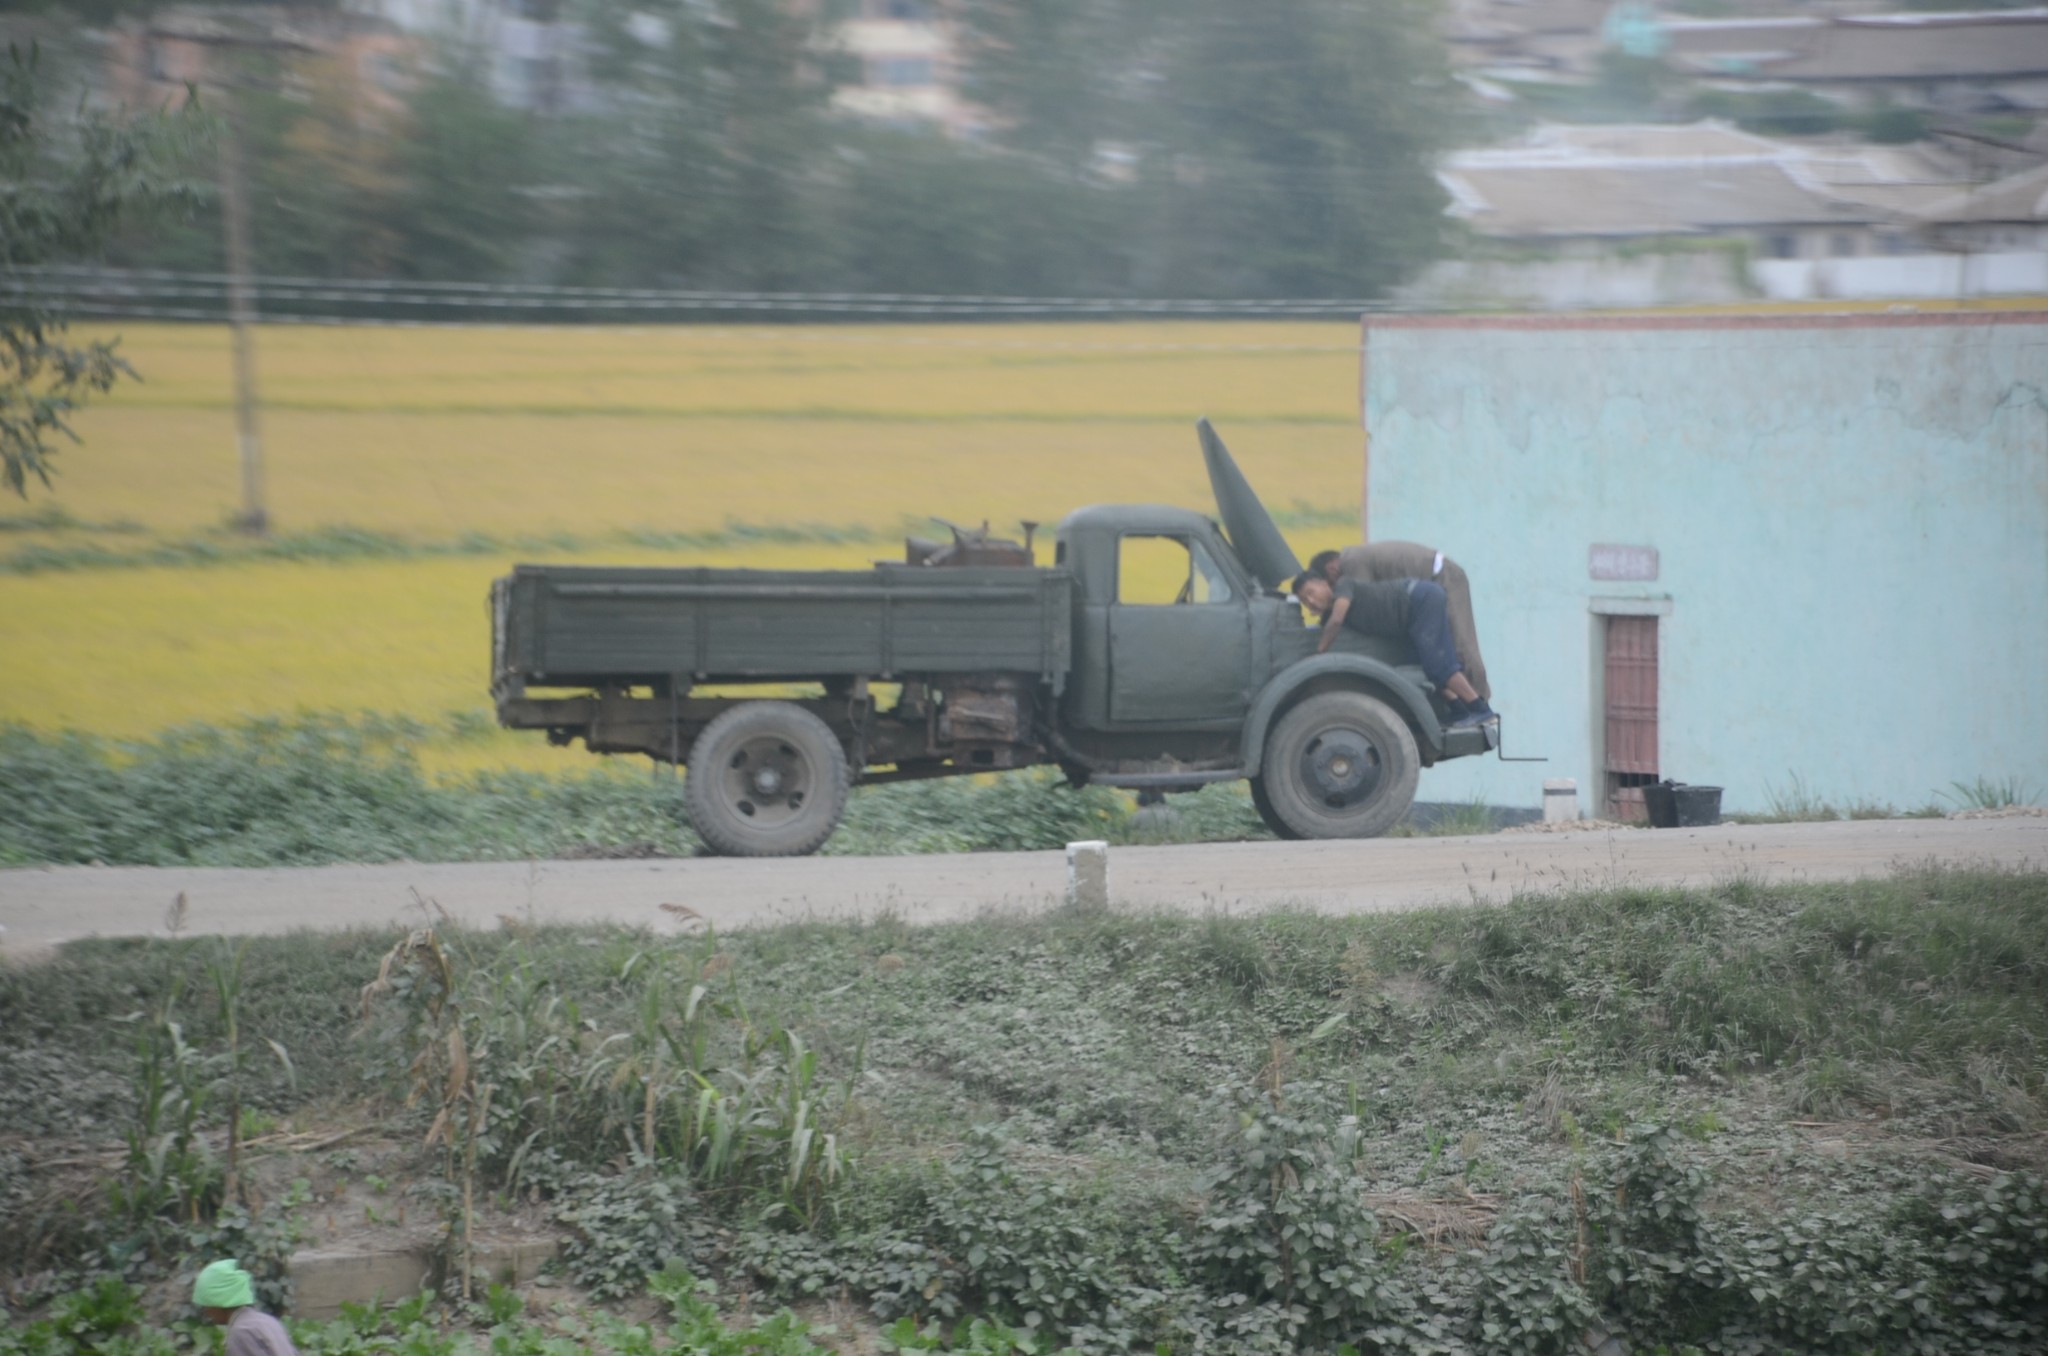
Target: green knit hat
{"x":223,"y":1285}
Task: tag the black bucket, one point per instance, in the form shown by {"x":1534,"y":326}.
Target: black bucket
{"x":1674,"y":805}
{"x":1697,"y":806}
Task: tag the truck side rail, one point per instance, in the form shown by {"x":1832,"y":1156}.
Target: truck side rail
{"x":571,"y":626}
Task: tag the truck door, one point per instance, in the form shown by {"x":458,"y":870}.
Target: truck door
{"x":1180,"y":647}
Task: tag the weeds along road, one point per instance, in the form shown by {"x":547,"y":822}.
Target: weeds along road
{"x":41,"y":907}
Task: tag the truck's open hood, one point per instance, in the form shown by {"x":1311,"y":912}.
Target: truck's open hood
{"x":1250,"y":528}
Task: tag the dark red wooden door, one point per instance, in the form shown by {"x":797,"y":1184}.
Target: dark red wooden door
{"x":1631,"y":713}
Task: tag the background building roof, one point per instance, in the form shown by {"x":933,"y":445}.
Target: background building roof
{"x":2019,"y":197}
{"x":1992,"y":45}
{"x":1624,"y":180}
{"x":1651,"y":198}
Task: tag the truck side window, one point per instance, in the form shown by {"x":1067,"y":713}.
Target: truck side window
{"x":1163,"y":571}
{"x":1152,"y":571}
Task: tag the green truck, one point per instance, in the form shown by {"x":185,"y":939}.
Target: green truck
{"x":780,"y":689}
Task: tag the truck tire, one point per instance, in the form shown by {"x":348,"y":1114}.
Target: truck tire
{"x":1262,"y":801}
{"x":767,"y":779}
{"x":1340,"y":765}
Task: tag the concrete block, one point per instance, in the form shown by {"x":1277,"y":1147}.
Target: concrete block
{"x":1088,"y":874}
{"x":1560,"y":800}
{"x":511,"y":1263}
{"x":322,"y":1280}
{"x":325,"y":1279}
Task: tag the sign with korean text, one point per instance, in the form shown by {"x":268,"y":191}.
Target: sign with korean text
{"x":1634,"y":563}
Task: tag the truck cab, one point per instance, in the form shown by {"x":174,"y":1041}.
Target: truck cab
{"x":1184,"y":660}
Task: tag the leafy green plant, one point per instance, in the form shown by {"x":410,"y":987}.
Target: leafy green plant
{"x":1528,"y":1296}
{"x":1996,"y":1250}
{"x":1286,"y":1220}
{"x":631,"y":1225}
{"x":697,"y":1326}
{"x":1645,"y":1234}
{"x":501,"y":1304}
{"x":973,"y":1337}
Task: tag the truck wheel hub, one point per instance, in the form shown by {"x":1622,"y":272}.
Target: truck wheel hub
{"x":1341,"y":768}
{"x":765,"y":780}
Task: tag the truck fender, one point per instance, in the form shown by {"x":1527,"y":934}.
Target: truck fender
{"x":1333,"y":670}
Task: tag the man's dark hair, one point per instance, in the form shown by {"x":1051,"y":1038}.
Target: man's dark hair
{"x":1300,"y":579}
{"x":1319,"y":560}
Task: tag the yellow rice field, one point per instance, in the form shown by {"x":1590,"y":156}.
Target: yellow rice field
{"x":431,"y":434}
{"x":436,"y":432}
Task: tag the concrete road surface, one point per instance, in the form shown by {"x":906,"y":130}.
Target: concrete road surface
{"x":40,"y":908}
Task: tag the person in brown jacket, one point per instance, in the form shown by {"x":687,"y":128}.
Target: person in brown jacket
{"x":1379,"y":561}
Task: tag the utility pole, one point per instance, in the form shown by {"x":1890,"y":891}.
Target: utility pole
{"x":227,"y":38}
{"x":234,"y":200}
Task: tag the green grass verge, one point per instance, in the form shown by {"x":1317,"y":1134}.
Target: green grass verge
{"x":312,"y":790}
{"x":1746,"y":1118}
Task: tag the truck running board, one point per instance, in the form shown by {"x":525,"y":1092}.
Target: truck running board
{"x":1165,"y":781}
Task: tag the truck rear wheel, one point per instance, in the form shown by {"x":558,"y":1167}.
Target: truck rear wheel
{"x":1340,"y":765}
{"x":767,"y":779}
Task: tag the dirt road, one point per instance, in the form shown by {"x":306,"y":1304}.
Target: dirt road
{"x":41,"y":908}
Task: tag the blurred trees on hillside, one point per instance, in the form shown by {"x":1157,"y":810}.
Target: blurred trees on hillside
{"x":1169,"y":148}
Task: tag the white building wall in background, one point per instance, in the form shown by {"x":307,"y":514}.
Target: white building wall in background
{"x":1904,"y":277}
{"x":1849,"y":520}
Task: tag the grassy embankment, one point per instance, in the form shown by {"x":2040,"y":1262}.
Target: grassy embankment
{"x":1744,"y":1118}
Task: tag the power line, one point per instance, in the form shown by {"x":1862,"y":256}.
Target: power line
{"x":790,"y":334}
{"x":183,"y":295}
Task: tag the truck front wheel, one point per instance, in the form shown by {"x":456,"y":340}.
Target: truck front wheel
{"x":767,"y":779}
{"x":1340,"y":765}
{"x":1262,"y":801}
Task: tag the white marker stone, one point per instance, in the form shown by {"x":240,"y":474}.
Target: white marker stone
{"x":1088,"y":875}
{"x":1560,"y":800}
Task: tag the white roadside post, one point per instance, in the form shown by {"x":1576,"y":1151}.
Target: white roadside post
{"x":1560,"y":800}
{"x":1088,"y":875}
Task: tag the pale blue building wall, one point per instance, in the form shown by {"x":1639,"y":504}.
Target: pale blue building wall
{"x":1851,"y":515}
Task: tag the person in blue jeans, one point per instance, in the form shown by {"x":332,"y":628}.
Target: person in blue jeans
{"x":1415,"y":608}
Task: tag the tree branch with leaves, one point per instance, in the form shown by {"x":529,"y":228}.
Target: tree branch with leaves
{"x":68,"y":183}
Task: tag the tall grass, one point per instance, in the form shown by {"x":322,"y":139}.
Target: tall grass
{"x":1991,"y":793}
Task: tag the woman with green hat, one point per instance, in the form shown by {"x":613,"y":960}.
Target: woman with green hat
{"x":224,"y":1295}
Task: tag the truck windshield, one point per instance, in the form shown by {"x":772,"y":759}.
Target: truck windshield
{"x":1211,"y":584}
